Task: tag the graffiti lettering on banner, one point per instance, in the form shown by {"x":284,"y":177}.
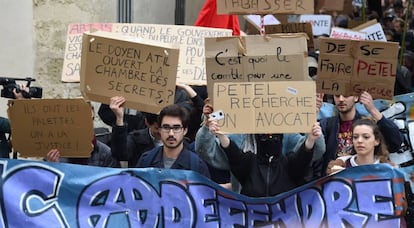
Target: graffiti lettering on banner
{"x":85,"y":196}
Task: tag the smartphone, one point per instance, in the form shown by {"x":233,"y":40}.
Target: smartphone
{"x":217,"y":115}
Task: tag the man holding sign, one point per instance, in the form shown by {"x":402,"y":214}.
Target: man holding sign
{"x":355,"y":71}
{"x":337,"y":129}
{"x":100,"y":155}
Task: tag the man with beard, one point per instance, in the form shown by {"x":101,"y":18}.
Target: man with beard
{"x":337,"y":130}
{"x":173,"y":125}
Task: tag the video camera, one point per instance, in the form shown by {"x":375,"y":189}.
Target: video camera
{"x":9,"y":84}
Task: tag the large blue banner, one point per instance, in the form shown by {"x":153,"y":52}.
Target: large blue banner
{"x":41,"y":194}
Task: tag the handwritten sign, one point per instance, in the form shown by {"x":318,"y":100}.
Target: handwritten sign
{"x":321,"y":24}
{"x":143,"y":72}
{"x":190,"y":39}
{"x":350,"y":67}
{"x":293,"y":28}
{"x":256,"y":59}
{"x":44,"y":124}
{"x":73,"y":48}
{"x":341,"y":33}
{"x":266,"y":107}
{"x":264,"y":7}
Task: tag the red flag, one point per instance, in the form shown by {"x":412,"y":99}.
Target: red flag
{"x":208,"y":18}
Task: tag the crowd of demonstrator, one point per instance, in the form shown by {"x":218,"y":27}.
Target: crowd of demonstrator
{"x":184,"y":136}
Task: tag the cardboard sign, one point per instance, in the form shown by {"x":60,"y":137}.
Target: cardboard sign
{"x":190,"y":39}
{"x":262,"y":7}
{"x":354,"y":23}
{"x":293,"y":28}
{"x":341,"y":33}
{"x":321,"y":24}
{"x":44,"y":124}
{"x":275,"y":57}
{"x":349,"y":67}
{"x":364,"y":25}
{"x":266,"y":107}
{"x":115,"y":65}
{"x":336,"y":7}
{"x":253,"y":23}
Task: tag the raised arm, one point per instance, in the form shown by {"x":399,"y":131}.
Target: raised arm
{"x":300,"y":160}
{"x":390,"y":131}
{"x":119,"y":130}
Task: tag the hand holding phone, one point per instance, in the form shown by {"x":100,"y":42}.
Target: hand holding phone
{"x":217,"y":115}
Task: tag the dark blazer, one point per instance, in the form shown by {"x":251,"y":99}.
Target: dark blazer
{"x":183,"y":161}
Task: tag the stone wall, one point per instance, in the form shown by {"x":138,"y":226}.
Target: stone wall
{"x":50,"y":21}
{"x":37,"y":39}
{"x":16,"y":44}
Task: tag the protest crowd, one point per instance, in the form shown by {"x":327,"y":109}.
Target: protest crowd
{"x":349,"y":129}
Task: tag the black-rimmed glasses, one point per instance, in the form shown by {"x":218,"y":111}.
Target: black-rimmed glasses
{"x":167,"y":128}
